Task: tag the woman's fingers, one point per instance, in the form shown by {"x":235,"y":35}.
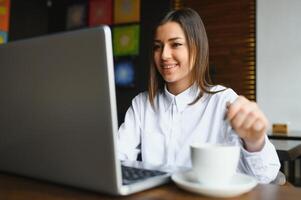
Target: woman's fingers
{"x":246,"y":118}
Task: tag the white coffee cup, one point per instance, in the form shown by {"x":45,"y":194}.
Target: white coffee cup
{"x":214,"y":164}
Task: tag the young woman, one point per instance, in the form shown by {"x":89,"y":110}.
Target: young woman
{"x":182,"y":107}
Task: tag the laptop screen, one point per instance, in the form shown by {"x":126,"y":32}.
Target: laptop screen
{"x":58,"y":114}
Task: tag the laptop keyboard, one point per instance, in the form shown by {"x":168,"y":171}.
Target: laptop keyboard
{"x":131,"y":175}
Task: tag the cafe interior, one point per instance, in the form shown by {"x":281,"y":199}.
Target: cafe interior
{"x":254,"y":49}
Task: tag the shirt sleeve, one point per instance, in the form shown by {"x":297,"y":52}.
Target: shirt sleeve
{"x":264,"y":165}
{"x":128,"y":143}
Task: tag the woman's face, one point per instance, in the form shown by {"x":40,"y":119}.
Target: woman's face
{"x":171,"y":56}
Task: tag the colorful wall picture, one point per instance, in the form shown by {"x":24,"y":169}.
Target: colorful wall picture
{"x":76,"y":16}
{"x":4,"y":15}
{"x":126,"y":40}
{"x":124,"y":73}
{"x":3,"y":37}
{"x":126,"y":11}
{"x":100,"y":12}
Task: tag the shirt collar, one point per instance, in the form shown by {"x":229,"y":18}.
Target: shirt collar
{"x":181,"y":100}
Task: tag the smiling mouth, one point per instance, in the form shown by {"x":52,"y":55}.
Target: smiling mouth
{"x":169,"y":66}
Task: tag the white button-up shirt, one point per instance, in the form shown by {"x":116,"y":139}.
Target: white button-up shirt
{"x":163,"y":135}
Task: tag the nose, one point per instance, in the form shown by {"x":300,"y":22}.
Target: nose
{"x":166,"y":53}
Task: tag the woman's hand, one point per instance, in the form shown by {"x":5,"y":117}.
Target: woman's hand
{"x":249,"y":122}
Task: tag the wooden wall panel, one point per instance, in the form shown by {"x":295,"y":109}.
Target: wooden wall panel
{"x":230,"y":26}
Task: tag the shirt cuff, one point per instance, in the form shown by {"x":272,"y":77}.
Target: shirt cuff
{"x":263,"y":164}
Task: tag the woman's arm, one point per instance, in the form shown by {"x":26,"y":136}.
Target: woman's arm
{"x":128,"y":144}
{"x":259,"y":157}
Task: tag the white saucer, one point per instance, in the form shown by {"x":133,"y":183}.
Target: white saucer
{"x":239,"y":184}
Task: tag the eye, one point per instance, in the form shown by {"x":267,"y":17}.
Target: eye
{"x":176,"y":44}
{"x":156,"y":47}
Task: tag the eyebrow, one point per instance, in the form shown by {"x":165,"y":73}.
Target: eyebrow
{"x":171,"y":39}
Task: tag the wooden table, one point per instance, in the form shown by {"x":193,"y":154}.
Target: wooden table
{"x":292,"y":135}
{"x":287,"y":149}
{"x":19,"y":188}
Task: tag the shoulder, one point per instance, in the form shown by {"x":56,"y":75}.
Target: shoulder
{"x":142,"y":96}
{"x":140,"y":100}
{"x":223,"y":93}
{"x":142,"y":106}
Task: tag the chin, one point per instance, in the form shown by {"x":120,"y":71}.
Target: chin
{"x":169,"y":79}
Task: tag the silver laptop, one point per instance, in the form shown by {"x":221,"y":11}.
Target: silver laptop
{"x":58,"y":118}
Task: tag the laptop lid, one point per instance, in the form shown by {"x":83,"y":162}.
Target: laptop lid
{"x":58,"y":114}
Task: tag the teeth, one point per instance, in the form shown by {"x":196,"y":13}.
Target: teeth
{"x":169,"y":66}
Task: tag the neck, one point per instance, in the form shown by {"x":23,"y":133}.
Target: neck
{"x":176,"y":89}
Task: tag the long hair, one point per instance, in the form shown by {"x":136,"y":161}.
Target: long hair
{"x":198,"y":48}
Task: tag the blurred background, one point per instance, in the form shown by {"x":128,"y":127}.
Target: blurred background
{"x":230,"y":26}
{"x":254,"y":45}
